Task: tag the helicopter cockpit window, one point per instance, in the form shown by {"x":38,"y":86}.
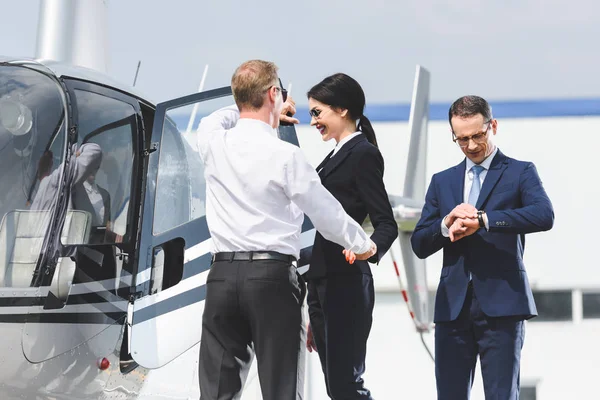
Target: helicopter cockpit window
{"x":32,"y":148}
{"x":106,"y":130}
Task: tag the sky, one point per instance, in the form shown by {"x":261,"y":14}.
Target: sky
{"x":501,"y":50}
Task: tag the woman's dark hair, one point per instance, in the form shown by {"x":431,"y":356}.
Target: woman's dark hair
{"x":339,"y":91}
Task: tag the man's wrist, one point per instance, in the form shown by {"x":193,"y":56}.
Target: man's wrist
{"x":444,"y":221}
{"x":445,"y":230}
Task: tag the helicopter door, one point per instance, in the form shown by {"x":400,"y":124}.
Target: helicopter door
{"x":174,"y":249}
{"x":84,"y":298}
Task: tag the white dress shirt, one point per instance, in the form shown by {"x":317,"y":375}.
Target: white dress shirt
{"x":258,"y":186}
{"x":469,"y":182}
{"x":96,"y":199}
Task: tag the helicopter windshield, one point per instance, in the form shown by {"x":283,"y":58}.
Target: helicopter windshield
{"x":32,"y":148}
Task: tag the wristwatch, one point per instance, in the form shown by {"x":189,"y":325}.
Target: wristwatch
{"x":480,"y":218}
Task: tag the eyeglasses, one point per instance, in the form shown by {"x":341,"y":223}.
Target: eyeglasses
{"x":284,"y":93}
{"x":478,"y":138}
{"x":316,"y":114}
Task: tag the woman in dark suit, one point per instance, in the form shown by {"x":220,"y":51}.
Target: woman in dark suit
{"x":340,"y":291}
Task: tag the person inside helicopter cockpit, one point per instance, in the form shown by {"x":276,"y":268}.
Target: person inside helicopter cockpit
{"x":86,"y":194}
{"x":93,"y":198}
{"x":87,"y":162}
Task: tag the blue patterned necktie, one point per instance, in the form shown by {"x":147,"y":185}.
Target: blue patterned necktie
{"x":476,"y":187}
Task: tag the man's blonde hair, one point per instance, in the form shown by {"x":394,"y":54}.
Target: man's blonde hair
{"x":250,"y":81}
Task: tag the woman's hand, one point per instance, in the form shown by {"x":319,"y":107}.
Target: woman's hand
{"x":351,"y":256}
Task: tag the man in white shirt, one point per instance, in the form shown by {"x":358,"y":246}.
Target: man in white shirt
{"x":257,"y":189}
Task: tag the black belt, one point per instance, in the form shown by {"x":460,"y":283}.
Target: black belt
{"x":252,"y":256}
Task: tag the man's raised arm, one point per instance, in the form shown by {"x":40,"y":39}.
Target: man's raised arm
{"x":219,"y":121}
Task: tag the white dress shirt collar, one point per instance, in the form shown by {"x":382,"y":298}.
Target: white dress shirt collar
{"x":485,"y":164}
{"x":344,"y":141}
{"x":256,"y":125}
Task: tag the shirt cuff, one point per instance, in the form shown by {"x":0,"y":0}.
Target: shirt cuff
{"x":445,"y":230}
{"x":485,"y":221}
{"x":365,"y":247}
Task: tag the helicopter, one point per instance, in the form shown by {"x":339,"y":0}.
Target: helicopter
{"x":104,"y":244}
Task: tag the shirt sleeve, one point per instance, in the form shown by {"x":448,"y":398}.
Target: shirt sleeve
{"x":217,"y":122}
{"x":304,"y":188}
{"x":445,"y":230}
{"x":87,"y":162}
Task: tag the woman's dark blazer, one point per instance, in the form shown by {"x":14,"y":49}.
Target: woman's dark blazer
{"x":355,"y":178}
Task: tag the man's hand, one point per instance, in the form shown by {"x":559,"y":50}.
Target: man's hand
{"x":111,"y":236}
{"x":463,"y":227}
{"x":463,"y":210}
{"x":351,"y":256}
{"x":310,"y":341}
{"x":288,"y":107}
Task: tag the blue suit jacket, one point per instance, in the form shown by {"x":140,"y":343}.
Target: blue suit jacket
{"x":516,"y":203}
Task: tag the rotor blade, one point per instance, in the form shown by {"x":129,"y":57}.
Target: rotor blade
{"x":195,"y":109}
{"x":416,"y":284}
{"x":414,"y":183}
{"x":414,"y":190}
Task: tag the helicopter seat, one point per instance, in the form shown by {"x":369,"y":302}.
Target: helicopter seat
{"x":21,"y":238}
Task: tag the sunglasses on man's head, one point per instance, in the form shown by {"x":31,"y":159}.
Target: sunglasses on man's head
{"x":284,"y":92}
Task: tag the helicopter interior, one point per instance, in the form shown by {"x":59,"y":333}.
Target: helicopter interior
{"x":33,"y":140}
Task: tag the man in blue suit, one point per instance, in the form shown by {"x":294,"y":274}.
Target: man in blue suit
{"x":479,"y":212}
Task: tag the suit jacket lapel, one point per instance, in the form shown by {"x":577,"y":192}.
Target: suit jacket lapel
{"x":340,"y":156}
{"x":458,"y":183}
{"x":322,"y":165}
{"x":497,"y":168}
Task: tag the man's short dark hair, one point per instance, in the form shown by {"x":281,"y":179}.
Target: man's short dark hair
{"x":468,"y":106}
